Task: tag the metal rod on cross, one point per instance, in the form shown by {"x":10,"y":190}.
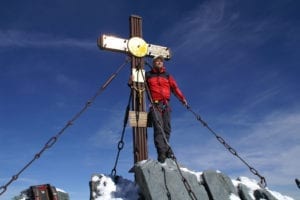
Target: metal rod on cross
{"x":137,"y":48}
{"x":140,"y":148}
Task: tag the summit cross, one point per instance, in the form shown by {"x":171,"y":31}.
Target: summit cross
{"x":137,"y":49}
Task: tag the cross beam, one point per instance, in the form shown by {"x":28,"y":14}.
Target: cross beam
{"x":134,"y":45}
{"x":137,"y":48}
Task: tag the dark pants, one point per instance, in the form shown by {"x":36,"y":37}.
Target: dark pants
{"x":161,"y":115}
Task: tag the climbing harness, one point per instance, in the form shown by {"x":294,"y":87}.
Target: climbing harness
{"x":54,"y":139}
{"x":263,"y":182}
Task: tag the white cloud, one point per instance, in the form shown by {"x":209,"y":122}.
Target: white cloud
{"x":105,"y":137}
{"x":67,"y":82}
{"x":16,"y":38}
{"x":278,"y":127}
{"x":270,"y":145}
{"x":108,"y":133}
{"x":217,"y":27}
{"x":274,"y":145}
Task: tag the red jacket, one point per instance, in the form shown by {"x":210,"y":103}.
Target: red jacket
{"x":161,"y":84}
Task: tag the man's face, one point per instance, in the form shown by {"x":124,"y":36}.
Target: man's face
{"x":158,"y":63}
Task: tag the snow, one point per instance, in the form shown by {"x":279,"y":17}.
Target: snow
{"x":197,"y":174}
{"x":280,"y":196}
{"x":234,"y":197}
{"x":60,"y":190}
{"x":107,"y":189}
{"x":252,"y":185}
{"x":124,"y":189}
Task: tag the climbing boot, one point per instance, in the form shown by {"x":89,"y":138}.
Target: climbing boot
{"x":170,"y":154}
{"x":161,"y":157}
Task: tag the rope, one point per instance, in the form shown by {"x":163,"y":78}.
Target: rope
{"x":263,"y":182}
{"x":54,"y":139}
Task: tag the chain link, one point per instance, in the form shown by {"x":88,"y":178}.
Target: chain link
{"x":121,"y":142}
{"x":263,"y":182}
{"x":184,"y":181}
{"x":54,"y":139}
{"x":166,"y":185}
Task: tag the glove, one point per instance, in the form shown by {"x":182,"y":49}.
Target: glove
{"x":185,"y":103}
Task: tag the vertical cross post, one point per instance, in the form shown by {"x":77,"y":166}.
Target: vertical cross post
{"x":140,"y":148}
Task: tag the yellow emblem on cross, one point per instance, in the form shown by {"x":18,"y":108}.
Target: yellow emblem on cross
{"x":137,"y":47}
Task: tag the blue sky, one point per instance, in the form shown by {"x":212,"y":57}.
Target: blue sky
{"x":237,"y":63}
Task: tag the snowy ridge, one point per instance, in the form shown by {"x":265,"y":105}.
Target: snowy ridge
{"x":107,"y":189}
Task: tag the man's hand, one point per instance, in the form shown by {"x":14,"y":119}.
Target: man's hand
{"x":185,"y":103}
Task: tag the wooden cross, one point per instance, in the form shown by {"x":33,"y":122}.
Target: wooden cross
{"x":137,"y":48}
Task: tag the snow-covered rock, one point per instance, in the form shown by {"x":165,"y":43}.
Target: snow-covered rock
{"x":105,"y":187}
{"x":161,"y":181}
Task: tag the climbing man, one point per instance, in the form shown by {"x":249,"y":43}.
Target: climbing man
{"x":161,"y":84}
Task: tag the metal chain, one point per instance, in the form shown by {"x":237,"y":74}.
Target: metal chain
{"x":155,"y":111}
{"x":184,"y":181}
{"x":166,"y":185}
{"x":54,"y":139}
{"x":121,"y":142}
{"x":263,"y":182}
